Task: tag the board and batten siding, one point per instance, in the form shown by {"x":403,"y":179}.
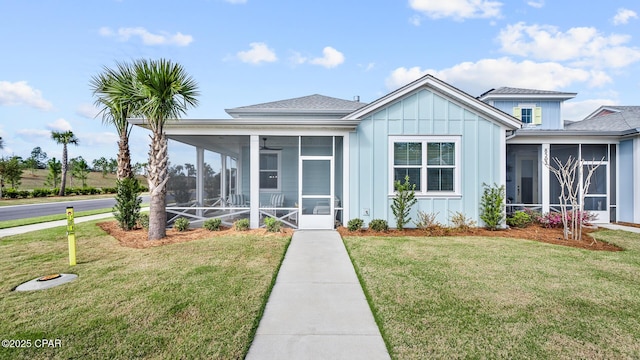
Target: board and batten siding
{"x":551,"y":111}
{"x":423,"y":113}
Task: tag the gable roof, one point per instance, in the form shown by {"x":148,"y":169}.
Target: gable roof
{"x":625,"y":119}
{"x":312,"y":105}
{"x":442,"y":88}
{"x":608,"y":109}
{"x":515,"y":93}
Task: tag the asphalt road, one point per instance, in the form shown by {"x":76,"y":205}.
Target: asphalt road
{"x":14,"y":212}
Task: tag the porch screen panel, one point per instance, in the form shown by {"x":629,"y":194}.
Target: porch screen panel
{"x":562,"y":153}
{"x":316,"y":146}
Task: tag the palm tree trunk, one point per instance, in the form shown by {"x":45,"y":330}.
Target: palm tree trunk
{"x":157,"y":186}
{"x":124,"y":157}
{"x":63,"y":181}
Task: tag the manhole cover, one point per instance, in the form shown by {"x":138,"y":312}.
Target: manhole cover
{"x":46,"y":282}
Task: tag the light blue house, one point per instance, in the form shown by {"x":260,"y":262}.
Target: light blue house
{"x":608,"y":138}
{"x":315,"y":161}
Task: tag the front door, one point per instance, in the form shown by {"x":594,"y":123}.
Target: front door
{"x":316,"y":192}
{"x":596,"y":200}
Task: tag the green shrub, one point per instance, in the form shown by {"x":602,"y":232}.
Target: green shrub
{"x":181,"y":224}
{"x":109,"y":190}
{"x":492,"y":210}
{"x":12,"y":193}
{"x":355,"y":224}
{"x":427,"y":221}
{"x":212,"y":224}
{"x":127,"y":208}
{"x":459,"y":220}
{"x":143,"y":220}
{"x":378,"y":225}
{"x":403,"y":201}
{"x":42,"y":192}
{"x":241,"y":225}
{"x":272,"y":224}
{"x":519,"y":219}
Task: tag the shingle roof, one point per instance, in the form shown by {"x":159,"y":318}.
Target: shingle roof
{"x":628,"y":118}
{"x":311,"y":102}
{"x":504,"y":91}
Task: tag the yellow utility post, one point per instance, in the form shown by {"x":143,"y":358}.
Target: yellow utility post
{"x":71,"y":236}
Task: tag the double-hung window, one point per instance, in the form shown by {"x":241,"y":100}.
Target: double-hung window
{"x":431,"y":162}
{"x":270,"y":170}
{"x":529,"y":114}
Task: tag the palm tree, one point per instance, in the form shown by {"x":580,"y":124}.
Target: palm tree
{"x":64,"y":138}
{"x":1,"y":143}
{"x":161,"y":91}
{"x":112,"y":89}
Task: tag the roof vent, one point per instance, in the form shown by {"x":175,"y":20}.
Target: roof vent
{"x":356,"y":98}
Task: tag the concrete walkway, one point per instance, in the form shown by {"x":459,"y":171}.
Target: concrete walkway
{"x":51,"y":224}
{"x":317,"y":309}
{"x":620,"y":227}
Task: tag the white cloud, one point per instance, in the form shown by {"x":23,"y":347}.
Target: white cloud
{"x":623,"y":16}
{"x":578,"y":110}
{"x":330,"y":59}
{"x":297,"y":58}
{"x":148,"y":38}
{"x":478,"y":77}
{"x":536,"y":4}
{"x":583,"y":46}
{"x":59,"y":125}
{"x":88,"y":111}
{"x":20,"y":93}
{"x":367,"y":67}
{"x":29,"y":134}
{"x":457,"y":9}
{"x":259,"y":53}
{"x":99,"y":139}
{"x":415,"y":20}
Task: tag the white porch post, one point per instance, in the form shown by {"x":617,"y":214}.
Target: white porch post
{"x":254,"y":181}
{"x":346,"y":198}
{"x":200,"y":178}
{"x":223,"y":178}
{"x":636,"y":180}
{"x":545,"y":178}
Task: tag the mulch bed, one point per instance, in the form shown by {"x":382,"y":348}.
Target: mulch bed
{"x":138,"y":238}
{"x":536,"y":233}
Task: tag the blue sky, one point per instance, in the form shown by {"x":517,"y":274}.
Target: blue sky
{"x":244,"y":52}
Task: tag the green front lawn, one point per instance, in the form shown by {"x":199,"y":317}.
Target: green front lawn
{"x":473,"y":297}
{"x":199,"y":299}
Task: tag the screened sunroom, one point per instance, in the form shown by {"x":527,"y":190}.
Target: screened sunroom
{"x":298,"y":180}
{"x":530,"y":184}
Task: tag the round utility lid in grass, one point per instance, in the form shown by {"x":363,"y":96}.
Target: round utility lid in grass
{"x":46,"y":282}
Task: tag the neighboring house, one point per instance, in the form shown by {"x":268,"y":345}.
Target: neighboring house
{"x":315,"y":160}
{"x":606,"y":138}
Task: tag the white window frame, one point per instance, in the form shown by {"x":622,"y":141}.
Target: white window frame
{"x":278,"y":154}
{"x":457,"y":179}
{"x":532,"y":108}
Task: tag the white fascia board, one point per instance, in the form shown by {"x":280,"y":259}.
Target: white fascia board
{"x":251,"y":126}
{"x":566,"y":139}
{"x":443,"y":88}
{"x":563,"y":96}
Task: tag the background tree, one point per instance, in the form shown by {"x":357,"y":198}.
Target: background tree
{"x":102,"y":165}
{"x":55,"y":170}
{"x":64,"y":138}
{"x":162,"y":91}
{"x":37,"y":160}
{"x":80,"y":169}
{"x":10,"y":172}
{"x":1,"y":143}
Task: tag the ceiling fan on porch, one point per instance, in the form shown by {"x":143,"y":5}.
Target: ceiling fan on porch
{"x":265,"y":147}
